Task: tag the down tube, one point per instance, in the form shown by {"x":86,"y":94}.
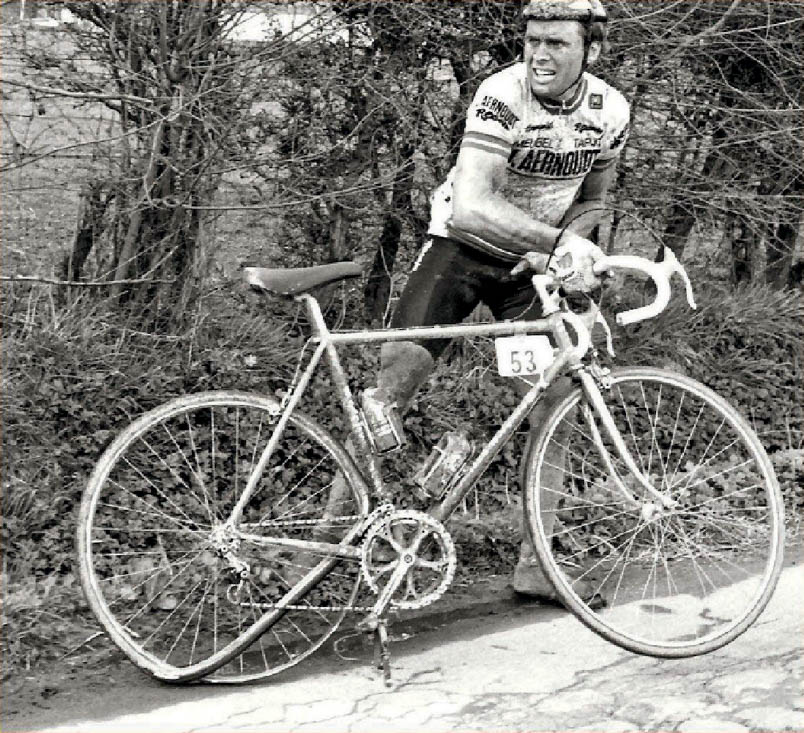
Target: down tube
{"x":452,"y":500}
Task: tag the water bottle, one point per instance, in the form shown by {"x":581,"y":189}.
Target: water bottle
{"x":383,"y":423}
{"x":444,"y":464}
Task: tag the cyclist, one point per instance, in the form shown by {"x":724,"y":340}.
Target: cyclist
{"x":538,"y":153}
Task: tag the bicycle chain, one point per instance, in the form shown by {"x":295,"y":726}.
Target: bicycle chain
{"x":306,"y":522}
{"x":377,"y":514}
{"x":334,"y":609}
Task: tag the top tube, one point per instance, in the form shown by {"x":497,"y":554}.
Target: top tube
{"x":458,"y":330}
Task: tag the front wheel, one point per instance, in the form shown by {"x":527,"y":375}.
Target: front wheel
{"x":177,"y":587}
{"x":683,"y":574}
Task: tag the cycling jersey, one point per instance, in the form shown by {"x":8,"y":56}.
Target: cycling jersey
{"x":550,"y":148}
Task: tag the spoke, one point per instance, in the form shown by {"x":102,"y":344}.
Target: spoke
{"x":666,"y":461}
{"x":159,"y":491}
{"x":684,"y":450}
{"x":700,"y":465}
{"x":609,"y":542}
{"x":714,"y":558}
{"x":170,"y":615}
{"x":148,"y":601}
{"x":724,"y":472}
{"x":654,"y":421}
{"x":256,"y":617}
{"x":276,"y":636}
{"x":190,"y":432}
{"x":156,"y":571}
{"x":699,"y":571}
{"x":198,"y":622}
{"x":190,"y":468}
{"x":236,"y":470}
{"x":152,"y":513}
{"x":290,"y":492}
{"x":197,"y":609}
{"x":625,"y":557}
{"x":153,"y":509}
{"x":213,"y":462}
{"x":299,"y":630}
{"x":631,"y":429}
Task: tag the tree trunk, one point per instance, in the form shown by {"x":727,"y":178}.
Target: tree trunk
{"x":377,"y":291}
{"x":782,"y":241}
{"x":91,"y":208}
{"x":338,"y":229}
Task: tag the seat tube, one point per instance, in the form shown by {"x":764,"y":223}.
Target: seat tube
{"x":360,"y":443}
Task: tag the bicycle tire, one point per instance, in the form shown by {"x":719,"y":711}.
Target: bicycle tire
{"x":147,"y":554}
{"x":679,"y":581}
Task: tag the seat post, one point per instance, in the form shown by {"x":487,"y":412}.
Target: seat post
{"x":317,"y":321}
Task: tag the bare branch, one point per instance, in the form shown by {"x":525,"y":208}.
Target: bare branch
{"x":79,"y":283}
{"x":56,"y":92}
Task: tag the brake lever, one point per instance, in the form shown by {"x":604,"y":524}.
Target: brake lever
{"x":609,"y":340}
{"x":550,"y":301}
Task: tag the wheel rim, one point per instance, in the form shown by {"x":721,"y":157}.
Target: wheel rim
{"x":163,"y":569}
{"x":680,"y":579}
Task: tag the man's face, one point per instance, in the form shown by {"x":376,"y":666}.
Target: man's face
{"x":554,"y":55}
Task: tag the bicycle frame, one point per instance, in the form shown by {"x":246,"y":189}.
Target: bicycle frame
{"x":566,"y":359}
{"x":327,"y":346}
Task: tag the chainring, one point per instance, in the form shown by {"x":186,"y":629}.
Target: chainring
{"x":428,"y":547}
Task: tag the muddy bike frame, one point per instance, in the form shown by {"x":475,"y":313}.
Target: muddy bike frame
{"x":567,"y":358}
{"x":327,"y":343}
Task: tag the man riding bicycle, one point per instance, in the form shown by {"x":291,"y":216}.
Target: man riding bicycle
{"x":538,"y":154}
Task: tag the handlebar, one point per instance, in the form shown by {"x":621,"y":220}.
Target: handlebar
{"x":660,"y":272}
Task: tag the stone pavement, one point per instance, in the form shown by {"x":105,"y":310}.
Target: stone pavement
{"x":552,"y":675}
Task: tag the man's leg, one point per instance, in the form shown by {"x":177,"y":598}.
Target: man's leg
{"x":404,"y":367}
{"x":528,"y":576}
{"x":529,"y":579}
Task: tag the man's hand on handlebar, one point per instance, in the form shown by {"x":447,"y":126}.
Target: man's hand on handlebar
{"x":572,"y":264}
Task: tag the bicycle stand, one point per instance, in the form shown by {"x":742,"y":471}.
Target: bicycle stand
{"x":378,"y":627}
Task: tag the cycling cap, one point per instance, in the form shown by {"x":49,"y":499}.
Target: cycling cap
{"x":584,"y":11}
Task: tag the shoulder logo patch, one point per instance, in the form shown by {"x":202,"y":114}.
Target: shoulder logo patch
{"x":496,"y":111}
{"x":596,"y":101}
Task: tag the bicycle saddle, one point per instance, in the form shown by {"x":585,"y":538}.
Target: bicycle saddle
{"x":296,"y":280}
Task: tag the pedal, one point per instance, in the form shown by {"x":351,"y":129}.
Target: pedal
{"x":367,"y":625}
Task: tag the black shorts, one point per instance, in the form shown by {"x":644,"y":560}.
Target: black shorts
{"x":448,"y":281}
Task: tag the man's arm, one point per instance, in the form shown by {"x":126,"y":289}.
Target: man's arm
{"x":589,"y":210}
{"x":480,"y":210}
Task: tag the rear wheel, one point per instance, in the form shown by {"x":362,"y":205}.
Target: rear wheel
{"x":680,"y":579}
{"x":177,"y":588}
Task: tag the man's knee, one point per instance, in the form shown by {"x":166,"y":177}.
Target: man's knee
{"x":404,"y":367}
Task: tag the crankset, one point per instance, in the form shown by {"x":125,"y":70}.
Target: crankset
{"x":408,"y":560}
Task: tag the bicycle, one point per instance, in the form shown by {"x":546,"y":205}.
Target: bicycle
{"x":225,"y":535}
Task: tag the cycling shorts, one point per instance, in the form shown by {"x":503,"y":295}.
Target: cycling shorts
{"x":449,"y":279}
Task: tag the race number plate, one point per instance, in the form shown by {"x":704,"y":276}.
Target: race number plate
{"x":522,"y":355}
